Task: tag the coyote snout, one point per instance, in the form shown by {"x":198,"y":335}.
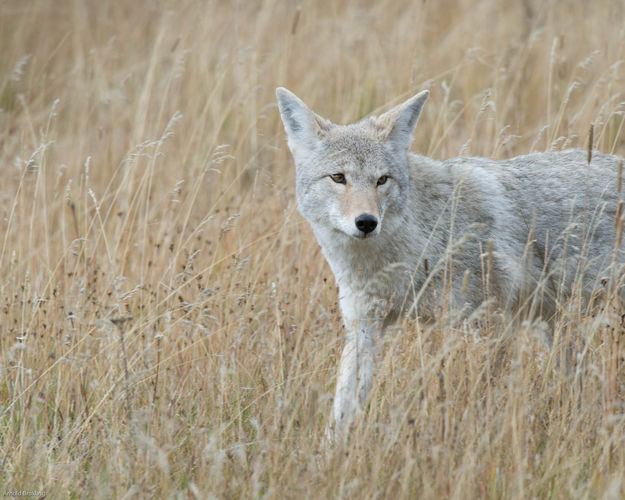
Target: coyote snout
{"x":366,"y":223}
{"x":361,"y":207}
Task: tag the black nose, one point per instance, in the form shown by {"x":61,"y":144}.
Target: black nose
{"x":366,"y":223}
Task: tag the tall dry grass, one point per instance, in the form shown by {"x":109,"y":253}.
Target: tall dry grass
{"x":169,"y":327}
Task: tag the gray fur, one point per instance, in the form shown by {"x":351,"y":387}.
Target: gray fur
{"x":549,"y":218}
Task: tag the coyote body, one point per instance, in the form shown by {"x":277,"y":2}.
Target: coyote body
{"x":405,"y":233}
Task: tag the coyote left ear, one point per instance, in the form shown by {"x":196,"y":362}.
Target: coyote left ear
{"x":303,"y":127}
{"x":398,"y":124}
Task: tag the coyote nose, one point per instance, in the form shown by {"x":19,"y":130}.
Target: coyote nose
{"x":366,"y":223}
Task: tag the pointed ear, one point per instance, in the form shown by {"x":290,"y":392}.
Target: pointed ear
{"x":303,"y":127}
{"x":398,"y":124}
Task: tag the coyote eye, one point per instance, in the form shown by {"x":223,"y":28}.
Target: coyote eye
{"x":382,"y":180}
{"x":338,"y":178}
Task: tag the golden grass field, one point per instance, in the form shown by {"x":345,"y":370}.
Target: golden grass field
{"x":168,"y":325}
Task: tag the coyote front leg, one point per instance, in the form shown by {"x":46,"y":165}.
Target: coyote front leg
{"x":355,"y":373}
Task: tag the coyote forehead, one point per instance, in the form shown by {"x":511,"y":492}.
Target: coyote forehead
{"x":358,"y":142}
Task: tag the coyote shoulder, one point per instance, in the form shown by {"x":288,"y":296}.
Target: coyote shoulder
{"x":405,"y":233}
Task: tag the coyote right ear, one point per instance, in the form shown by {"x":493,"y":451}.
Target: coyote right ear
{"x":398,"y":124}
{"x":303,"y":127}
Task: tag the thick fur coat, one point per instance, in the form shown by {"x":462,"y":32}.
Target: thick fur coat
{"x":406,"y":233}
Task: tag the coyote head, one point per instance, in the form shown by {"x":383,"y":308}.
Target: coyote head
{"x":349,"y":177}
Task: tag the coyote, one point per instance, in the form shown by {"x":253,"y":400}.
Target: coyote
{"x":404,"y":233}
